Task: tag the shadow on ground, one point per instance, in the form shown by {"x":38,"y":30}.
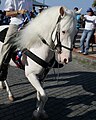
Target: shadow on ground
{"x":60,"y":107}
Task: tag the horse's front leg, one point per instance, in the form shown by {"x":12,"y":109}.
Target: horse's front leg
{"x":41,"y":96}
{"x":40,"y":106}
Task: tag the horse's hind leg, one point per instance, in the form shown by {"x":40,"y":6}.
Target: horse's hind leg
{"x":2,"y":86}
{"x":42,"y":98}
{"x":10,"y":96}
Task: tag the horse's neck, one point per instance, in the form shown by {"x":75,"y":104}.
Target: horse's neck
{"x":49,"y":21}
{"x":43,"y":25}
{"x":43,"y":51}
{"x":45,"y":30}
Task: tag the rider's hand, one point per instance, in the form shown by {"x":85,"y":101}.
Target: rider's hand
{"x":22,"y":11}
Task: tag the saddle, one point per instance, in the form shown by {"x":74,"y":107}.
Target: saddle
{"x":17,"y":59}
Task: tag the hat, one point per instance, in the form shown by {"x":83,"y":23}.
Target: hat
{"x":76,"y":8}
{"x":89,"y":10}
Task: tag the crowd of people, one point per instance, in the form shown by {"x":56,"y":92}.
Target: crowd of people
{"x":88,"y":32}
{"x":88,"y":22}
{"x":4,"y":20}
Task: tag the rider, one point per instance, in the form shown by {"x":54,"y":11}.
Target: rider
{"x":14,"y":9}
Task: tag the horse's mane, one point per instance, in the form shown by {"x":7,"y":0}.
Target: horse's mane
{"x":42,"y":25}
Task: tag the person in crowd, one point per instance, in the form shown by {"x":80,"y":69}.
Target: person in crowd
{"x":78,"y":18}
{"x":82,"y":21}
{"x":14,"y":9}
{"x":6,"y":20}
{"x":90,"y":22}
{"x":41,"y":9}
{"x":1,"y":17}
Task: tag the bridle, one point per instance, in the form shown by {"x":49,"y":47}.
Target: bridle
{"x":58,"y":46}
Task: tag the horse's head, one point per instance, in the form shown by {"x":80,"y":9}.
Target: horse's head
{"x":55,"y":26}
{"x":64,"y":35}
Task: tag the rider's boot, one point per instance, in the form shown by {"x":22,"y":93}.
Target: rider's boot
{"x":3,"y":71}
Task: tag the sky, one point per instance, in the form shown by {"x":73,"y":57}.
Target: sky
{"x":84,"y":4}
{"x":70,"y":4}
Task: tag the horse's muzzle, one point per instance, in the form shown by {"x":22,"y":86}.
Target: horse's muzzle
{"x":63,"y":60}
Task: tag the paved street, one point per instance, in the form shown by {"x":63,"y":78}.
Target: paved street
{"x":71,"y":97}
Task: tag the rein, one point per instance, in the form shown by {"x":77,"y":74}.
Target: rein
{"x":59,"y":45}
{"x":71,"y":49}
{"x":26,"y":18}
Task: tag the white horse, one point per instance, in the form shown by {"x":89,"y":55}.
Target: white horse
{"x":50,"y":32}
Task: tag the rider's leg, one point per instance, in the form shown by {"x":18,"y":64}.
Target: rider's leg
{"x":4,"y":66}
{"x":5,"y":54}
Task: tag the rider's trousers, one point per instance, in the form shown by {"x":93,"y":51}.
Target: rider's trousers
{"x":7,"y":47}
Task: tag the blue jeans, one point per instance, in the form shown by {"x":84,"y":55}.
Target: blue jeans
{"x":86,"y":35}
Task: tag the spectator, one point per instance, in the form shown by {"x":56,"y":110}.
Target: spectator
{"x":34,"y":12}
{"x":82,"y":21}
{"x":90,"y":21}
{"x":1,"y":17}
{"x":41,"y":9}
{"x":78,"y":18}
{"x":6,"y":20}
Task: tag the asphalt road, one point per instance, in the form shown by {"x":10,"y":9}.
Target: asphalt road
{"x":71,"y":97}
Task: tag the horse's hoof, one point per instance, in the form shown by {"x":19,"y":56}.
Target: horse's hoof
{"x":39,"y":115}
{"x":11,"y":98}
{"x":36,"y":115}
{"x":43,"y":116}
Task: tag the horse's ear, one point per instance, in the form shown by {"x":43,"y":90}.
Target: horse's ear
{"x":62,"y":11}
